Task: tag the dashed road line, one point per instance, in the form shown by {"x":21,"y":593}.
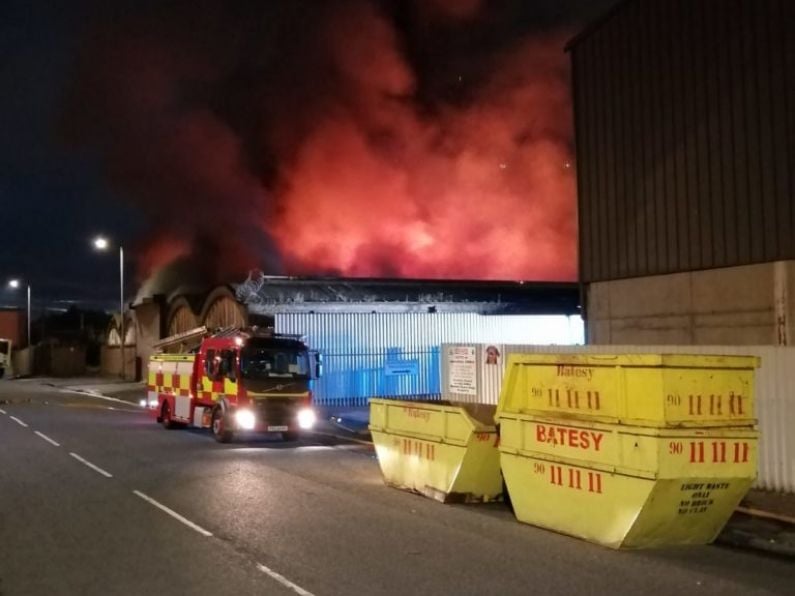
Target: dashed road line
{"x":173,"y":513}
{"x":90,"y":465}
{"x":264,"y":568}
{"x":46,"y":438}
{"x":283,"y":580}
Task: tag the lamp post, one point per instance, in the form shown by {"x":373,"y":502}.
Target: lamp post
{"x":102,"y":244}
{"x":15,"y":284}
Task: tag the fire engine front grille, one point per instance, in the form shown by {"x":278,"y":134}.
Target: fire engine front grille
{"x":276,"y":412}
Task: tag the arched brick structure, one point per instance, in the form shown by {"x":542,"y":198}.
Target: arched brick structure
{"x":221,"y":309}
{"x":129,"y":330}
{"x":181,"y":317}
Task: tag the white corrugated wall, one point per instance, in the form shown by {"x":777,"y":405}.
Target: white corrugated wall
{"x":338,"y":332}
{"x":775,"y":395}
{"x":363,"y":352}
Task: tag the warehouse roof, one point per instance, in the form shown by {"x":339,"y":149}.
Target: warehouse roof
{"x":259,"y":292}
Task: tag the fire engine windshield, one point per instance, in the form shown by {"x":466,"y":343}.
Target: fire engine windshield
{"x":273,"y":362}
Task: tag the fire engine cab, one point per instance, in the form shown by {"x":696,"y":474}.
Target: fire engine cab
{"x":235,"y":381}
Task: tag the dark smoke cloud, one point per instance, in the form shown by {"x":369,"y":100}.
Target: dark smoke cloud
{"x":427,"y":138}
{"x":451,"y":9}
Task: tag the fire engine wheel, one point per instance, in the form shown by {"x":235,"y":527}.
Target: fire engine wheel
{"x":219,"y":427}
{"x":165,"y":417}
{"x":290,"y":435}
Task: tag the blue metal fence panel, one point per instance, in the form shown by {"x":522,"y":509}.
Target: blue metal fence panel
{"x":351,"y":379}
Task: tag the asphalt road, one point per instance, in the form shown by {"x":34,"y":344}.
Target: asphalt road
{"x":95,"y":498}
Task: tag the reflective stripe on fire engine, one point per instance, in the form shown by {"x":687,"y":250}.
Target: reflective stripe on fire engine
{"x":215,"y":390}
{"x":171,"y":384}
{"x":170,"y":374}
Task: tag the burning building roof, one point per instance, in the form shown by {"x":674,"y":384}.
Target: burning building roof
{"x":267,"y":295}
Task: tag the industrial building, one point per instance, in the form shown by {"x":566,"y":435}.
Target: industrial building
{"x":12,"y":325}
{"x":685,"y":134}
{"x":378,"y":337}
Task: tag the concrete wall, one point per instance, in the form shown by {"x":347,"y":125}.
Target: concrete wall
{"x":59,"y":361}
{"x":68,"y":361}
{"x":150,"y":327}
{"x":110,"y":362}
{"x":22,"y":362}
{"x":748,"y":305}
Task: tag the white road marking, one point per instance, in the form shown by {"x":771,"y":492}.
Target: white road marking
{"x":173,"y":514}
{"x":2,"y":411}
{"x":105,"y":397}
{"x":46,"y":438}
{"x":18,"y":421}
{"x":283,"y":580}
{"x":90,"y":465}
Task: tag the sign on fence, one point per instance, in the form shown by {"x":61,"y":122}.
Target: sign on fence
{"x":463,"y":372}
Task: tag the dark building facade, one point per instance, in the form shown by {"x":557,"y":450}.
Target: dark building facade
{"x":685,"y":120}
{"x":12,"y":325}
{"x":685,"y":131}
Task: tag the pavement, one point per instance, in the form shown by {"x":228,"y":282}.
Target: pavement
{"x":765,"y":521}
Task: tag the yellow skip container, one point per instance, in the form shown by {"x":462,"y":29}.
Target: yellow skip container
{"x":444,"y":450}
{"x":644,"y":389}
{"x":623,"y":486}
{"x":629,"y":451}
{"x":646,"y":451}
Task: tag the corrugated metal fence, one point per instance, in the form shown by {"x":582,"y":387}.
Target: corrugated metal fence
{"x":397,"y":354}
{"x":775,"y":393}
{"x":351,"y":379}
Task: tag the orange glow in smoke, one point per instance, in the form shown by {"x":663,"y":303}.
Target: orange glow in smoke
{"x":477,"y":192}
{"x":346,"y":153}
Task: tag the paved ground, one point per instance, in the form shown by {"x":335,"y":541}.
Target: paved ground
{"x":121,"y":506}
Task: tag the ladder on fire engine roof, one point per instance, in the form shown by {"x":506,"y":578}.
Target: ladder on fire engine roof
{"x":225,"y":331}
{"x":193,"y":337}
{"x":185,"y":337}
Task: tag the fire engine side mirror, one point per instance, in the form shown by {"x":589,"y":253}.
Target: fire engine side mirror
{"x":318,"y":364}
{"x":230,"y":359}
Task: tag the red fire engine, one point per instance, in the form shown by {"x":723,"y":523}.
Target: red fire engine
{"x":235,"y":381}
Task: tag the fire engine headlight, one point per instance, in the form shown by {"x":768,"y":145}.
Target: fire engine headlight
{"x":306,"y":418}
{"x":245,"y":419}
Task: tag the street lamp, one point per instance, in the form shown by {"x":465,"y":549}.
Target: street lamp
{"x":102,"y":244}
{"x":15,"y":284}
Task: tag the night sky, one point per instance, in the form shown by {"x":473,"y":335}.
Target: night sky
{"x":55,"y":190}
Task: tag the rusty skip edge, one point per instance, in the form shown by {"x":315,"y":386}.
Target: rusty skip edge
{"x":446,"y":498}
